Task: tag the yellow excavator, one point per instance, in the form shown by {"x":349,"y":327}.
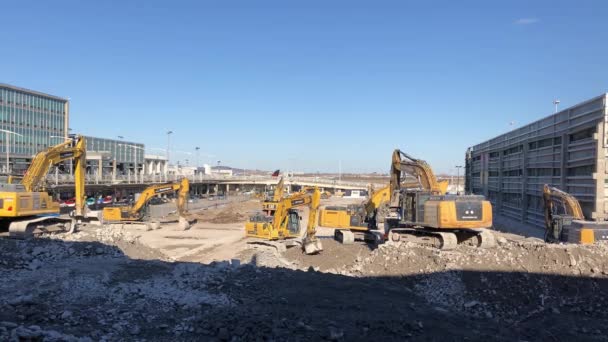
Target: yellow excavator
{"x":425,"y":214}
{"x":565,"y":222}
{"x":355,"y":221}
{"x":281,"y":222}
{"x":28,"y":208}
{"x":136,"y":213}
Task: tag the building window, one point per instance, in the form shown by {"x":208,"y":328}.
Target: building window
{"x":584,"y":134}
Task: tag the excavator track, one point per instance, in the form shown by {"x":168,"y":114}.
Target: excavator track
{"x":486,"y":239}
{"x":440,"y":240}
{"x":444,"y":240}
{"x":280,"y":245}
{"x":24,"y":229}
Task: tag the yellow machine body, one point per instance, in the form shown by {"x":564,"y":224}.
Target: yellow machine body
{"x":23,"y":204}
{"x":443,"y":214}
{"x":343,"y":217}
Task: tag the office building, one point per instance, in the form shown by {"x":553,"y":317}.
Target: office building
{"x":32,"y":121}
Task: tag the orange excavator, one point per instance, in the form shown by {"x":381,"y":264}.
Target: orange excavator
{"x":421,"y":211}
{"x":565,"y":222}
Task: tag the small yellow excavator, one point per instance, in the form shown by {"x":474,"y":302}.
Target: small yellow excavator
{"x":136,"y":213}
{"x":355,"y":221}
{"x":565,"y":222}
{"x":425,"y":214}
{"x":27,"y":207}
{"x":281,"y":222}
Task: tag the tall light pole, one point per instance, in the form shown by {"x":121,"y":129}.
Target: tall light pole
{"x":197,"y":149}
{"x":8,"y":147}
{"x":458,"y":167}
{"x":556,"y":102}
{"x":168,"y":145}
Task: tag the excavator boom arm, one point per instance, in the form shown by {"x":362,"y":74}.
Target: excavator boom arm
{"x":553,"y":196}
{"x":183,"y":187}
{"x":33,"y":180}
{"x":376,"y":198}
{"x":278,"y":190}
{"x":311,"y":230}
{"x":420,"y":169}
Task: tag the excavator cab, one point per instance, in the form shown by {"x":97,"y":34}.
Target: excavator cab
{"x":293,"y":223}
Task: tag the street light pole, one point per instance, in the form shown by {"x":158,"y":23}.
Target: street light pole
{"x":8,"y":147}
{"x":556,"y":102}
{"x":168,"y":144}
{"x":458,"y":167}
{"x":197,"y":156}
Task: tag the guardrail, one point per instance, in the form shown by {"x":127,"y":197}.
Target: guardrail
{"x":64,"y":179}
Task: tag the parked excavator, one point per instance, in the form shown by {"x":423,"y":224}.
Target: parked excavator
{"x":565,"y":222}
{"x":280,"y":222}
{"x":28,"y":208}
{"x":136,"y":213}
{"x":356,"y":221}
{"x":425,"y":214}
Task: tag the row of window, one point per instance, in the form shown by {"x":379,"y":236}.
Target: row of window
{"x":31,"y":101}
{"x":544,"y":143}
{"x":29,"y":118}
{"x":120,"y":150}
{"x":28,"y":141}
{"x":580,"y":135}
{"x":586,"y":170}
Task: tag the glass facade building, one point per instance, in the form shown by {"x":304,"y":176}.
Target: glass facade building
{"x":127,"y":154}
{"x":39,"y":121}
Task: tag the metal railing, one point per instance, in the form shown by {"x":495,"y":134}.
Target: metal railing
{"x":65,"y":179}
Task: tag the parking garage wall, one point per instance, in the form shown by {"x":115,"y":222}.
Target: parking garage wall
{"x":566,"y":150}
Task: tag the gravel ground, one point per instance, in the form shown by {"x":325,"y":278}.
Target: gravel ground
{"x":523,"y":290}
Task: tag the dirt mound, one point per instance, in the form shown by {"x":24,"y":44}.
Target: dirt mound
{"x":229,"y":213}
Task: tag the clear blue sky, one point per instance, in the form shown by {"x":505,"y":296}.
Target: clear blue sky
{"x":305,"y":84}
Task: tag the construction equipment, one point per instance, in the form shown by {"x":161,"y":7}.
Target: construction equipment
{"x":427,"y":215}
{"x":565,"y":222}
{"x":310,"y":189}
{"x":273,"y":196}
{"x":280,"y":221}
{"x":28,"y":208}
{"x":136,"y":213}
{"x":355,"y":221}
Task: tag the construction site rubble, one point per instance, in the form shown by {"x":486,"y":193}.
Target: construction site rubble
{"x":81,"y":291}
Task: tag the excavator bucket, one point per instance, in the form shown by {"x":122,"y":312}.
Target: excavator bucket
{"x":312,"y":246}
{"x":183,"y":223}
